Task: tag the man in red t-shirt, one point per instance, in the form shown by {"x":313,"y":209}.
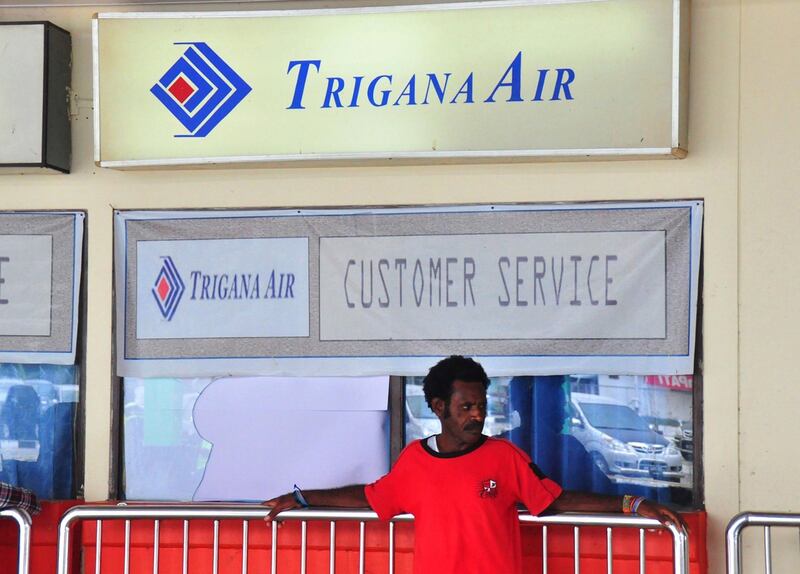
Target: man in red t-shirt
{"x":463,"y":487}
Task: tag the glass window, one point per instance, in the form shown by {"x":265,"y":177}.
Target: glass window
{"x":598,"y":433}
{"x":165,"y":456}
{"x":38,"y":407}
{"x":238,"y":438}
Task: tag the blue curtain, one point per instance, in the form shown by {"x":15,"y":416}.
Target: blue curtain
{"x":544,"y":433}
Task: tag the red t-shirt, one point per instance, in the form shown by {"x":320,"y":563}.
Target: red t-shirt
{"x":464,"y":505}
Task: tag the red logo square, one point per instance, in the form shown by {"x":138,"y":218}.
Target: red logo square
{"x":181,"y":89}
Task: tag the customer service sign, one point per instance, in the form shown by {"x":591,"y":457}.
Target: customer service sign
{"x":516,"y":78}
{"x":530,"y":289}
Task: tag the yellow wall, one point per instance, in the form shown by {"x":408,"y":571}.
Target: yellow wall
{"x":743,"y":153}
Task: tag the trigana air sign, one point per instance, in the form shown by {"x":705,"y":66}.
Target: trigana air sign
{"x":531,"y":78}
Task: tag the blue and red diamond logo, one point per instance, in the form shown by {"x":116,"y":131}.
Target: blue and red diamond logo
{"x":200,"y":89}
{"x":168,"y":289}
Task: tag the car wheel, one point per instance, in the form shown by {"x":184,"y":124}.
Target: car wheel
{"x":600,"y":462}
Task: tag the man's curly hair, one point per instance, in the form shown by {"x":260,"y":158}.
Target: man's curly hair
{"x":439,"y":381}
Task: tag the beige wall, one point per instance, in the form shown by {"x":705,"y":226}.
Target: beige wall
{"x":742,"y":116}
{"x":769,"y":233}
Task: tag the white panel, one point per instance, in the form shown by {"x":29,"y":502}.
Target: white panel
{"x":237,"y":414}
{"x":21,"y":93}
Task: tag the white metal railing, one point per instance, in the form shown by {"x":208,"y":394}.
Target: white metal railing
{"x":245,"y":513}
{"x":23,"y":520}
{"x":733,"y":536}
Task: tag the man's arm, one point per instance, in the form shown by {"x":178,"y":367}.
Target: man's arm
{"x":18,"y":497}
{"x":344,"y":497}
{"x":573,"y":501}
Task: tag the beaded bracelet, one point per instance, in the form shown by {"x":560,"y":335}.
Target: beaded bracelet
{"x":630,"y":503}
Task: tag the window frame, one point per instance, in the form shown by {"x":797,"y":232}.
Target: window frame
{"x":396,"y":400}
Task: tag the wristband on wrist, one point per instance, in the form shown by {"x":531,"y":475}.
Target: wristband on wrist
{"x":626,"y":503}
{"x":630,"y":503}
{"x":298,"y":496}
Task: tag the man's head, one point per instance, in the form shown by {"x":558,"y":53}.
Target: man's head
{"x":455,"y":389}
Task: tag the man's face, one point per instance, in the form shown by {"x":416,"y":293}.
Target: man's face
{"x":463,"y":418}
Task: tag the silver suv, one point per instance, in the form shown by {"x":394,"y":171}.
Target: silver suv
{"x":620,"y":441}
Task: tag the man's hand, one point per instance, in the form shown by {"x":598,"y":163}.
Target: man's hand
{"x":650,"y":509}
{"x":571,"y":501}
{"x":344,"y":497}
{"x":279,"y":504}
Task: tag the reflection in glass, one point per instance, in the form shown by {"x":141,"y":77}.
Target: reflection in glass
{"x":600,"y":433}
{"x":611,"y":416}
{"x":164,"y":457}
{"x":38,"y":406}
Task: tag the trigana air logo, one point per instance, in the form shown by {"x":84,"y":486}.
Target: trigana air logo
{"x":168,"y":288}
{"x":200,"y":89}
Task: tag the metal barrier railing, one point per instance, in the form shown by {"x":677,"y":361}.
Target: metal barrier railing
{"x":23,"y":520}
{"x":245,"y":513}
{"x":733,"y":536}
